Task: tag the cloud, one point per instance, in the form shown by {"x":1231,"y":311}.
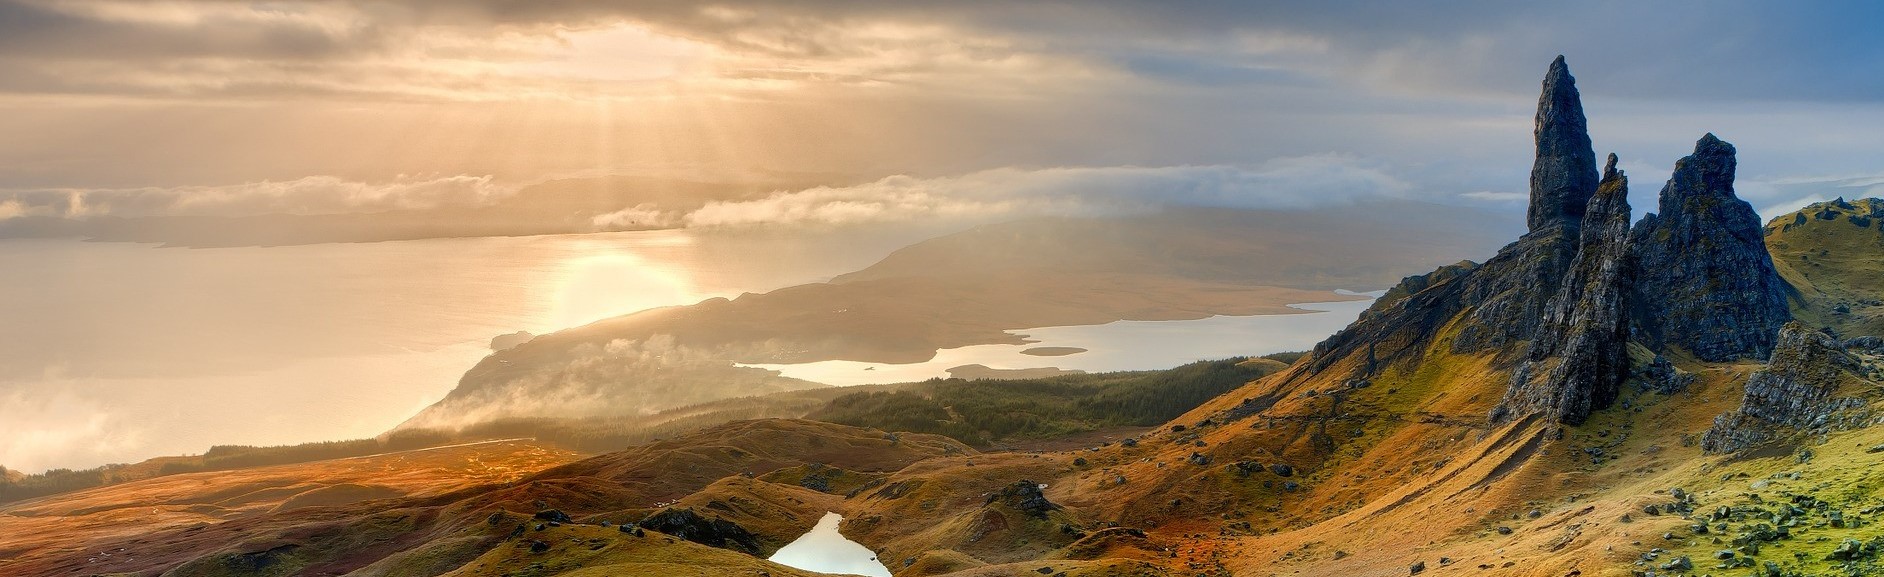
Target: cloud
{"x":1781,"y":195}
{"x":1289,"y":183}
{"x":617,"y":378}
{"x":644,"y":215}
{"x":38,"y":432}
{"x":309,"y":195}
{"x":476,"y":49}
{"x":1490,"y":196}
{"x":112,"y":93}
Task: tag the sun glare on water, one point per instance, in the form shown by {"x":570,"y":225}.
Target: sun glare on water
{"x":593,"y":287}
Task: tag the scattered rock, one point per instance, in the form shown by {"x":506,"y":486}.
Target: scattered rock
{"x":1662,"y":377}
{"x":1847,"y":550}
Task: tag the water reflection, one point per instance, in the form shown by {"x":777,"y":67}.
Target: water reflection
{"x":1118,"y":346}
{"x":825,"y":550}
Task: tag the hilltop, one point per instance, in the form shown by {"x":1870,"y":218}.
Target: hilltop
{"x":1827,"y":252}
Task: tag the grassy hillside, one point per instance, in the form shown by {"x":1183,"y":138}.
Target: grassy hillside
{"x":995,"y":410}
{"x":983,"y":412}
{"x":1833,"y":254}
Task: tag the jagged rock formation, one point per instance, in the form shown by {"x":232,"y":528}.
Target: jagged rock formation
{"x":1564,"y":175}
{"x":1522,"y":278}
{"x":1511,"y":291}
{"x":1577,"y":362}
{"x":1794,"y":391}
{"x":1707,"y":282}
{"x":1559,"y":307}
{"x":1508,"y":293}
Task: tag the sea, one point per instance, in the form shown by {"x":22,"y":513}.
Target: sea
{"x":118,"y":352}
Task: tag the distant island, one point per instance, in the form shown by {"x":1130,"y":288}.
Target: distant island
{"x":1052,"y":351}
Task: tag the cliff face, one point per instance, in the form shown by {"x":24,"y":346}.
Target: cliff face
{"x":1794,"y":392}
{"x":1707,"y":282}
{"x":1579,"y":358}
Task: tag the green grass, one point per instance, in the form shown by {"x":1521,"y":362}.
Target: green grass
{"x":1836,"y":264}
{"x":984,"y":412}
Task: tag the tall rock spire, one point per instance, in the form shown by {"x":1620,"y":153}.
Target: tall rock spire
{"x":1709,"y":285}
{"x":1579,"y":357}
{"x":1516,"y":285}
{"x":1564,"y":175}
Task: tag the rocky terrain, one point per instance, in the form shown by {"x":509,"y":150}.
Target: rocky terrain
{"x":1680,"y":395}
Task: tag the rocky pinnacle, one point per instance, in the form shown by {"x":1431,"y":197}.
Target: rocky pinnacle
{"x":1579,"y":359}
{"x":1564,"y":175}
{"x":1709,"y":285}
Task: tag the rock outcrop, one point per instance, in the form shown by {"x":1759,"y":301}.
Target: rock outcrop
{"x":1563,"y":177}
{"x":1505,"y":296}
{"x":1516,"y":286}
{"x":1560,"y":307}
{"x":1580,"y":357}
{"x":1024,"y":496}
{"x":1707,"y":282}
{"x":1796,"y":391}
{"x":709,"y":531}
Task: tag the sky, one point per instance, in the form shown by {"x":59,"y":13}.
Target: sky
{"x":910,"y":109}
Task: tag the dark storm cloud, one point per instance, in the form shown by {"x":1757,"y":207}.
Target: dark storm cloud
{"x":41,"y":30}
